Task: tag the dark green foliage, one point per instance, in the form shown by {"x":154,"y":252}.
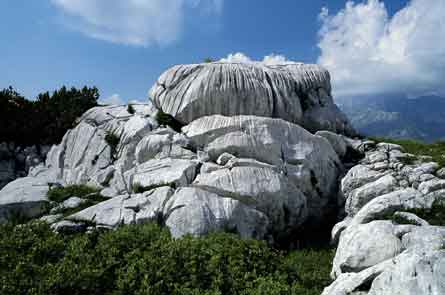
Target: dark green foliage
{"x":113,"y":141}
{"x":434,"y":216}
{"x":60,"y":194}
{"x":402,"y":220}
{"x":168,"y":120}
{"x":130,"y":109}
{"x":208,"y":60}
{"x":139,"y":189}
{"x":418,"y":148}
{"x":44,"y":120}
{"x":145,"y":259}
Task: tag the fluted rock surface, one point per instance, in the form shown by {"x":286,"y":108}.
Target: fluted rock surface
{"x":295,"y":92}
{"x":382,"y":249}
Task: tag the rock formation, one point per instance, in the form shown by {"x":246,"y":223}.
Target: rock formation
{"x":295,"y":92}
{"x":263,"y":151}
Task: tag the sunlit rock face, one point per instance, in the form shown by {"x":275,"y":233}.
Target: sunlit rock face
{"x":296,"y":92}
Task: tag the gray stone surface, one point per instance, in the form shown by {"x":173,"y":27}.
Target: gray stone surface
{"x":365,"y":245}
{"x":24,"y":197}
{"x":295,"y":92}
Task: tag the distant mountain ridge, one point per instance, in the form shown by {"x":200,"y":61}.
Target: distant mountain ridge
{"x":395,"y":116}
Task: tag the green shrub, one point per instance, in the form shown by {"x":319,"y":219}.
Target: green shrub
{"x":399,"y":219}
{"x":434,"y":216}
{"x":139,"y":189}
{"x":169,"y":120}
{"x":60,"y":194}
{"x":130,"y":109}
{"x":113,"y":141}
{"x":145,"y":259}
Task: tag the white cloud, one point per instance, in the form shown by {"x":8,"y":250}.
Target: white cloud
{"x":236,"y":58}
{"x":272,"y":59}
{"x":114,"y":99}
{"x":368,"y":52}
{"x":133,"y":22}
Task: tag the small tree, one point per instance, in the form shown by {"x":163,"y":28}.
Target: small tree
{"x":209,"y":60}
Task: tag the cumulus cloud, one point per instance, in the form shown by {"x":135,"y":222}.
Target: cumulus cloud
{"x":368,"y":52}
{"x":133,"y":22}
{"x":114,"y":99}
{"x":272,"y":59}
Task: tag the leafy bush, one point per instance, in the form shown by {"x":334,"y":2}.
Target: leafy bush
{"x":435,"y":150}
{"x":145,"y":259}
{"x":139,"y":189}
{"x":400,"y":219}
{"x":47,"y":118}
{"x":60,"y":194}
{"x":168,"y":120}
{"x":434,"y":216}
{"x":113,"y":141}
{"x":130,"y":109}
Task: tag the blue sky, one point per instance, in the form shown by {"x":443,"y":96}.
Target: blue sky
{"x":122,"y":46}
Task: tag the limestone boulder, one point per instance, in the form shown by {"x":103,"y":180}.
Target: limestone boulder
{"x":24,"y":197}
{"x":265,"y":190}
{"x":310,"y":160}
{"x":295,"y":92}
{"x":199,"y":212}
{"x":365,"y":245}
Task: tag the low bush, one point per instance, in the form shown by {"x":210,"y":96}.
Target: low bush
{"x":434,"y":216}
{"x":145,"y":259}
{"x":60,"y":194}
{"x":168,"y":120}
{"x":130,"y":109}
{"x":113,"y":141}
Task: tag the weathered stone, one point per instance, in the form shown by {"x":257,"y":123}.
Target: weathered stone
{"x":365,"y":245}
{"x":362,"y":195}
{"x":24,"y":197}
{"x":295,"y":92}
{"x":337,"y":141}
{"x":261,"y":188}
{"x":126,"y":209}
{"x":271,"y":141}
{"x":198,"y":212}
{"x":414,"y":274}
{"x":154,"y":173}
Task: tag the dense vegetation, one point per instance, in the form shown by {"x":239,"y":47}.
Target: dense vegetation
{"x":418,"y":148}
{"x":45,"y":119}
{"x":145,"y":259}
{"x":90,"y":196}
{"x":434,"y":215}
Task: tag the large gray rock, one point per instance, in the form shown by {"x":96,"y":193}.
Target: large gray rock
{"x":413,"y":274}
{"x":362,"y":195}
{"x":310,"y":159}
{"x":295,"y":92}
{"x":24,"y":197}
{"x":365,"y":245}
{"x":126,"y":209}
{"x":263,"y":189}
{"x":154,"y":173}
{"x":199,"y":212}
